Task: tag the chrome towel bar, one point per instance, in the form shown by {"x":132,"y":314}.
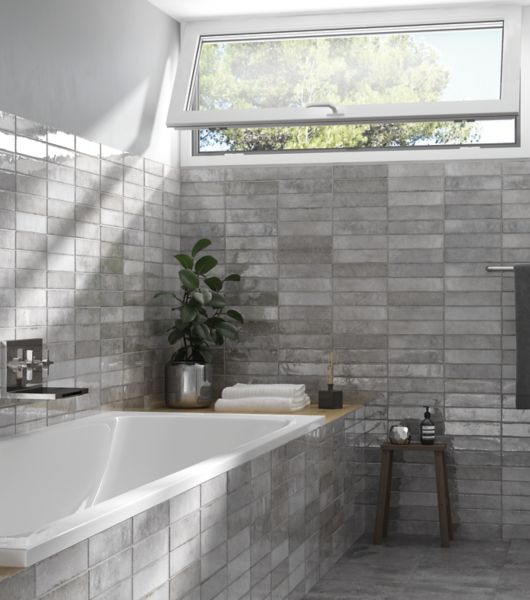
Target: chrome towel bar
{"x":501,"y":268}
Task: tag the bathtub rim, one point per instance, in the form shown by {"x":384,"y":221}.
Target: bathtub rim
{"x":24,"y":551}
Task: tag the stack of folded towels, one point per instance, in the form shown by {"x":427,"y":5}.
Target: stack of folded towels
{"x":267,"y":398}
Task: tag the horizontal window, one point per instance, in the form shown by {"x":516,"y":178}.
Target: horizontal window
{"x":453,"y":63}
{"x":357,"y":137}
{"x":387,"y":80}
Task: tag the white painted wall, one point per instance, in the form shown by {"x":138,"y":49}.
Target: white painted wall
{"x":102,"y":69}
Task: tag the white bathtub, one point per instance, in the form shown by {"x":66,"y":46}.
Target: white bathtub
{"x":63,"y":484}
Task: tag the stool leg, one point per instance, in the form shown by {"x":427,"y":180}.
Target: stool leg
{"x":442,"y":499}
{"x":449,"y":517}
{"x":384,"y":485}
{"x":386,"y":517}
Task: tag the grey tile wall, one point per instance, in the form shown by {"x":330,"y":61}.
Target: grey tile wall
{"x":384,"y":264}
{"x":267,"y":529}
{"x":87,"y":236}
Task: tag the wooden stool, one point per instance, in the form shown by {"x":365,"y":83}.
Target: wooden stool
{"x":385,"y":484}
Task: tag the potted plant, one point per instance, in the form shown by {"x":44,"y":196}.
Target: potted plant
{"x":203,"y":321}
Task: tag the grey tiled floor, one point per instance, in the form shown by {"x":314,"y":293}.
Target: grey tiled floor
{"x":417,"y":568}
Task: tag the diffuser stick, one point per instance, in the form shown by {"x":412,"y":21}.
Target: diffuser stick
{"x":330,"y":398}
{"x":330,"y":371}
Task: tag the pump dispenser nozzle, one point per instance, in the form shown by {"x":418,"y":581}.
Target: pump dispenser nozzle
{"x":427,"y":428}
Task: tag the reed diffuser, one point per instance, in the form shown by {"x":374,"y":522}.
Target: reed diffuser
{"x":330,"y":398}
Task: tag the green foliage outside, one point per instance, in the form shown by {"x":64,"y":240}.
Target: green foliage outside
{"x":355,"y":70}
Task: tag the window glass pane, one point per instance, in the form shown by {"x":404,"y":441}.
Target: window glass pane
{"x":358,"y":136}
{"x":460,"y":62}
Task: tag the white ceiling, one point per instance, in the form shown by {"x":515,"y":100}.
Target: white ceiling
{"x":189,"y":10}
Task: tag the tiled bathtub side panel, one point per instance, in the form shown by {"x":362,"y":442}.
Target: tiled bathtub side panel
{"x":87,"y":237}
{"x":342,"y":487}
{"x":267,"y":529}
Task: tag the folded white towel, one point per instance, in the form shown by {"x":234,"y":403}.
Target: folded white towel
{"x":272,"y":390}
{"x":262,"y":404}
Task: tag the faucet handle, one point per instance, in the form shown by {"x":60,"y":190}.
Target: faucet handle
{"x":46,"y":362}
{"x":17,"y":364}
{"x":29,"y":365}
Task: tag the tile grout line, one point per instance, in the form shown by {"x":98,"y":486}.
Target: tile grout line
{"x":444,"y":313}
{"x":502,"y":396}
{"x":387,"y":289}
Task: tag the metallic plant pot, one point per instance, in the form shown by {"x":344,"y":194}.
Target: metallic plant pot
{"x":399,"y":434}
{"x":188,"y":385}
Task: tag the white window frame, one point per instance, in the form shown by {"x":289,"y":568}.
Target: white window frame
{"x":514,"y":19}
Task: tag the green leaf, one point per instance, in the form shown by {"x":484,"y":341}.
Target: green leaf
{"x":217,"y":301}
{"x":189,"y":280}
{"x":228,"y":331}
{"x":198,"y":297}
{"x":188,"y":313}
{"x":174,"y":336}
{"x":237,"y":316}
{"x":207,"y":295}
{"x":205,"y":264}
{"x":171,"y":294}
{"x":179,"y":324}
{"x":200,"y":245}
{"x":201,"y":331}
{"x":233,"y":277}
{"x":214,"y":321}
{"x":206,"y":356}
{"x":179,"y":327}
{"x":214,"y":283}
{"x":185,"y":260}
{"x":203,"y":312}
{"x":198,"y":356}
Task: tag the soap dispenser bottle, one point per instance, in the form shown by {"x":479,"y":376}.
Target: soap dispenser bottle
{"x":427,"y":428}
